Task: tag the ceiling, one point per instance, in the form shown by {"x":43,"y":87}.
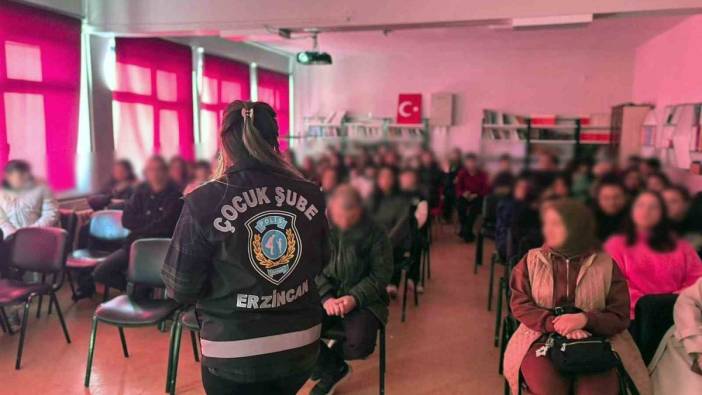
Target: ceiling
{"x":602,"y":33}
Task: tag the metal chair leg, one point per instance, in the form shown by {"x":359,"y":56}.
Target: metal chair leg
{"x":6,"y":320}
{"x":41,"y":297}
{"x":498,"y":312}
{"x":490,"y":284}
{"x":23,"y":333}
{"x":429,"y":262}
{"x":70,"y":282}
{"x":404,"y":295}
{"x":124,"y":342}
{"x":381,"y":336}
{"x":416,"y":295}
{"x":478,"y":252}
{"x":54,"y":299}
{"x":176,"y":357}
{"x":194,"y":339}
{"x":171,"y":348}
{"x":3,"y":325}
{"x":91,"y":352}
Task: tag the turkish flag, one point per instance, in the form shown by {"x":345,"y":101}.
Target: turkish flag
{"x":409,"y":108}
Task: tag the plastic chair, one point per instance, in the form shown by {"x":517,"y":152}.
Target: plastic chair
{"x":106,"y":236}
{"x":337,"y":333}
{"x":487,"y":228}
{"x":186,"y":319}
{"x":145,"y":261}
{"x":40,"y":250}
{"x":68,"y":220}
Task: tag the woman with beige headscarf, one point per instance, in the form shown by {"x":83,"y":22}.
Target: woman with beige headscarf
{"x":569,"y":270}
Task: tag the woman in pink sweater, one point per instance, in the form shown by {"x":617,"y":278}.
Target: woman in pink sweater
{"x":651,"y":258}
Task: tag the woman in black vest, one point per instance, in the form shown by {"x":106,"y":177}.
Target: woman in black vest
{"x":246,"y":251}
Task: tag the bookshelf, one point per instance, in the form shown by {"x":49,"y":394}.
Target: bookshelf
{"x":509,"y":133}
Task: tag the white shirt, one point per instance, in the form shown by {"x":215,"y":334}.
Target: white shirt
{"x":31,"y":206}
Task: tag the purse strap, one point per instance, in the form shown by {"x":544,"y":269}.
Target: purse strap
{"x":626,"y":384}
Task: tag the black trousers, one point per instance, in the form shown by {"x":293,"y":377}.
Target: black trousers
{"x":215,"y":385}
{"x":111,"y":272}
{"x":360,"y":329}
{"x":468,"y":211}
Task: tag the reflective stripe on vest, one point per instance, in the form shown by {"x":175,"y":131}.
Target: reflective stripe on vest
{"x":260,"y":345}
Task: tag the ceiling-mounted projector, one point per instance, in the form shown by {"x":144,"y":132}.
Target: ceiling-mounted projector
{"x":313,"y":57}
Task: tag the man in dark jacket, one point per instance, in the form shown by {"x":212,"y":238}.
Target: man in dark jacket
{"x":352,"y":286}
{"x":152,"y":211}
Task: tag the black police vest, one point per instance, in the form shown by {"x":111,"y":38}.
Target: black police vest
{"x":262,"y":310}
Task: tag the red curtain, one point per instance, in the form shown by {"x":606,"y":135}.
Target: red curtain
{"x":152,"y":100}
{"x":40,"y":91}
{"x":223,"y":81}
{"x":274,"y":89}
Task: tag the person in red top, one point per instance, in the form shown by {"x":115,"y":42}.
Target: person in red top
{"x":471,"y":186}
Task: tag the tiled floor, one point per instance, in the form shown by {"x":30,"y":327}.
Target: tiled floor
{"x":445,"y":347}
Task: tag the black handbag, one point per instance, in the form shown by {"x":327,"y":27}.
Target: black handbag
{"x":584,"y":356}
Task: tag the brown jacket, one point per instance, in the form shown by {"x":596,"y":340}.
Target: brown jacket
{"x":592,"y":285}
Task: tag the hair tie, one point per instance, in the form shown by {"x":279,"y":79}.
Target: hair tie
{"x":247,"y":113}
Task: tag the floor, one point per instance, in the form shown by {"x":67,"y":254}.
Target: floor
{"x":445,"y":347}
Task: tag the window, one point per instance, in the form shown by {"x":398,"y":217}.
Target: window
{"x":152,"y":100}
{"x":274,"y":89}
{"x":40,"y":91}
{"x":223,"y":81}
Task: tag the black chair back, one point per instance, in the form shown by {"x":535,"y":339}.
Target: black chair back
{"x":489,"y":212}
{"x":69,"y":221}
{"x":654,"y":316}
{"x":106,"y":225}
{"x":41,"y":250}
{"x":145,"y":261}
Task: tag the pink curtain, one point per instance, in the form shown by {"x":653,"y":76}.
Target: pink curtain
{"x":40,"y":91}
{"x":223,"y":82}
{"x":152,"y":100}
{"x":274,"y":89}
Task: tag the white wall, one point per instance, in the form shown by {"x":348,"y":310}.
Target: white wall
{"x":528,"y":80}
{"x":668,"y":70}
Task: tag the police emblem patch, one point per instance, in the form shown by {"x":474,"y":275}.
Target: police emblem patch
{"x":274,"y":244}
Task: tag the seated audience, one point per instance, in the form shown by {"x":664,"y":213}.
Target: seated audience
{"x":652,"y":258}
{"x":352,"y":286}
{"x":631,"y":179}
{"x":649,"y":166}
{"x":430,"y":178}
{"x":610,"y":207}
{"x":363,"y":180}
{"x":24,"y":202}
{"x":201,"y":174}
{"x":602,"y":169}
{"x":569,"y":271}
{"x":504,"y":178}
{"x":391,"y":210}
{"x":546,"y":170}
{"x":178,"y":172}
{"x":581,"y":179}
{"x":451,"y":168}
{"x":329,"y":179}
{"x":152,"y":211}
{"x":560,"y":188}
{"x":677,"y":366}
{"x":471,"y":186}
{"x":657,"y":182}
{"x":677,"y":204}
{"x":117,"y":190}
{"x":418,"y":214}
{"x":507,"y":210}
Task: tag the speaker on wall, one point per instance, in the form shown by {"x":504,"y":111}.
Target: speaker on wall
{"x":441,"y":109}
